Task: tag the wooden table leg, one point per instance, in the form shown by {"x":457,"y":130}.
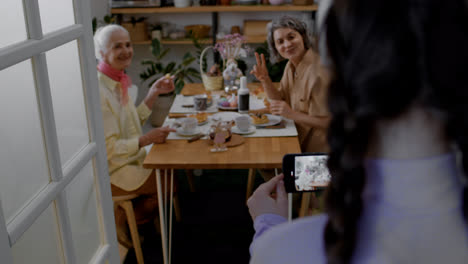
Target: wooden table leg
{"x":250,"y":183}
{"x":162,"y":217}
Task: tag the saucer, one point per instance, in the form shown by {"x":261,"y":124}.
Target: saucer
{"x":181,"y":133}
{"x":236,"y":130}
{"x":202,"y":123}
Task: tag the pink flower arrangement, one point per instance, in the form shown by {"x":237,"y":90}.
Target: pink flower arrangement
{"x":232,"y":46}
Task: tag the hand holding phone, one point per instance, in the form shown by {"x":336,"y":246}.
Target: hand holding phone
{"x":263,"y":202}
{"x":305,"y":172}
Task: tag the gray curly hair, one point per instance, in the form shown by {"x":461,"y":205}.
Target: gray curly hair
{"x":286,"y":22}
{"x":102,"y":37}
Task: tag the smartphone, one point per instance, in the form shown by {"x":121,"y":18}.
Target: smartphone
{"x":305,"y":172}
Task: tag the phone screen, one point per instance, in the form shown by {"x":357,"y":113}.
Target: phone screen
{"x":307,"y":172}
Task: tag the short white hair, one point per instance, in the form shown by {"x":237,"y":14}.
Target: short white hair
{"x":102,"y":37}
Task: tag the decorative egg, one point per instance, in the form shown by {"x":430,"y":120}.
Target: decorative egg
{"x":225,"y":104}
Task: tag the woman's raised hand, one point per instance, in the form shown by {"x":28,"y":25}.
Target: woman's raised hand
{"x":163,"y":85}
{"x":260,"y":70}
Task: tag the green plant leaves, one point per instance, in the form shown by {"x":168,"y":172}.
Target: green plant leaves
{"x":156,"y":47}
{"x":169,"y":68}
{"x":155,"y":69}
{"x":163,"y":54}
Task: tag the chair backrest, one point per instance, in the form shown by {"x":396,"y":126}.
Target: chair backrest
{"x":120,"y":198}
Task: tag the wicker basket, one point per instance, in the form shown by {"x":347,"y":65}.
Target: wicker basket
{"x":198,"y":31}
{"x":210,"y":83}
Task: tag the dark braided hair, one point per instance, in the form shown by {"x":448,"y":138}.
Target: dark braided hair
{"x":388,"y":56}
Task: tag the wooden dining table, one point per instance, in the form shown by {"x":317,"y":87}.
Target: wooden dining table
{"x":254,"y":153}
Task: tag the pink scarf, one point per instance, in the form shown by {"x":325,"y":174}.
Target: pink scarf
{"x":118,"y":76}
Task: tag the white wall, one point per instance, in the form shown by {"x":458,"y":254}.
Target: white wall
{"x":99,"y":8}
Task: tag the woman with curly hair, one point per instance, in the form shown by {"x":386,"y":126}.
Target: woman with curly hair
{"x":398,"y":142}
{"x":302,"y":92}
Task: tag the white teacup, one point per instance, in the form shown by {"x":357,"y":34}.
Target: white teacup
{"x":243,"y":123}
{"x":189,"y":125}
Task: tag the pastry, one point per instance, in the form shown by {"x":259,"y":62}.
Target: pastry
{"x":259,"y":119}
{"x":259,"y":92}
{"x":201,"y":117}
{"x":266,"y":103}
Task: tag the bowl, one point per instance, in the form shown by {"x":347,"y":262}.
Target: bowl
{"x":198,"y":31}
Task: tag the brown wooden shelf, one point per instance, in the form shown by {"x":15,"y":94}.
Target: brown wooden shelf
{"x":249,"y":39}
{"x":174,"y":41}
{"x":207,"y":9}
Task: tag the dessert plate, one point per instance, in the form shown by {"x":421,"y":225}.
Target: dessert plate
{"x":227,"y":107}
{"x":272,"y":120}
{"x":225,"y":116}
{"x":182,"y":133}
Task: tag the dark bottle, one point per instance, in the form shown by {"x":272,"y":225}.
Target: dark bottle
{"x":243,"y":94}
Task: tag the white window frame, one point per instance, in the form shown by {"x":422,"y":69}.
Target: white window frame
{"x":34,"y":48}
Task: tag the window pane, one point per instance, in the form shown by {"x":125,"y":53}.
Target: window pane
{"x":68,"y":99}
{"x":82,"y":205}
{"x":12,"y":25}
{"x":22,"y":155}
{"x":40,"y":243}
{"x":56,"y":14}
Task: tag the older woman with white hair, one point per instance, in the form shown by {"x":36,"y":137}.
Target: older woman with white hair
{"x":123,"y":121}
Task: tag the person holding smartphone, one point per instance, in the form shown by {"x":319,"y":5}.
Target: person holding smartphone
{"x":398,"y":150}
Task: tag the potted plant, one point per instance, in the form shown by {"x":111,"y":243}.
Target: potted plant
{"x":155,"y":69}
{"x":156,"y":32}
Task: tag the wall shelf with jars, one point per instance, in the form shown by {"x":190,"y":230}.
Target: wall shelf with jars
{"x":214,"y":10}
{"x":209,"y":9}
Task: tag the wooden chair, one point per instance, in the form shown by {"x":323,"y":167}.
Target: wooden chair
{"x":125,"y":202}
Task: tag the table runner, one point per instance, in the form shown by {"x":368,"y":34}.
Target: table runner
{"x":289,"y":131}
